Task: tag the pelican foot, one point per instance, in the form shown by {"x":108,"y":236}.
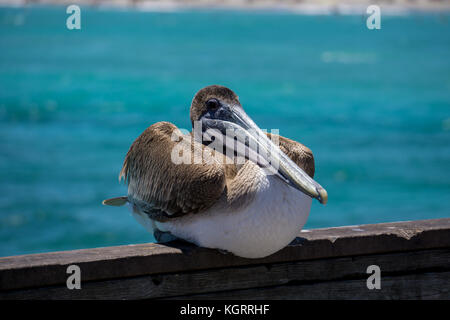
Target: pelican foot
{"x":162,"y":237}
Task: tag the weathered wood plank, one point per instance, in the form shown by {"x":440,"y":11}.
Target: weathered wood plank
{"x":422,"y":286}
{"x":233,"y":278}
{"x":47,"y":269}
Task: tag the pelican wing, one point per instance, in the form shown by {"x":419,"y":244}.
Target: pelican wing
{"x":298,"y":153}
{"x":169,"y":174}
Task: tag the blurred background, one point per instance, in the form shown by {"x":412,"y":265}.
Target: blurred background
{"x":373,"y":105}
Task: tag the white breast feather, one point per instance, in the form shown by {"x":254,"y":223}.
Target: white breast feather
{"x":270,"y":222}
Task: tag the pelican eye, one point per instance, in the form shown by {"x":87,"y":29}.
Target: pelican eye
{"x":212,"y":104}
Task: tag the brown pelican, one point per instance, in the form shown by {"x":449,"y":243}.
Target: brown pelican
{"x":251,"y":208}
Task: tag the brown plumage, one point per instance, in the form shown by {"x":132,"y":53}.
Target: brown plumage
{"x":300,"y":154}
{"x":165,"y":190}
{"x":172,"y":189}
{"x":198,"y":105}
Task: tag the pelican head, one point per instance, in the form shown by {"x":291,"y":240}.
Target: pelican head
{"x":218,"y":108}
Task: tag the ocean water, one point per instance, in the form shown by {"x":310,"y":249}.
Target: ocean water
{"x":374,"y":106}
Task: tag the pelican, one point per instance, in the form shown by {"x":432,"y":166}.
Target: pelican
{"x":251,"y":208}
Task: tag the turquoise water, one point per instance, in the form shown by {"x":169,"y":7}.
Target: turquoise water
{"x":374,"y":106}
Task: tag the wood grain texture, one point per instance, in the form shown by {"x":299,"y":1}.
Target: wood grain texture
{"x":237,"y":278}
{"x":422,"y":286}
{"x":178,"y":269}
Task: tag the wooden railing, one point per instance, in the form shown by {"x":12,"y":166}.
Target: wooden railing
{"x":413,"y":257}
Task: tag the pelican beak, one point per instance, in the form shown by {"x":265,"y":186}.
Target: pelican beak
{"x":244,"y":138}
